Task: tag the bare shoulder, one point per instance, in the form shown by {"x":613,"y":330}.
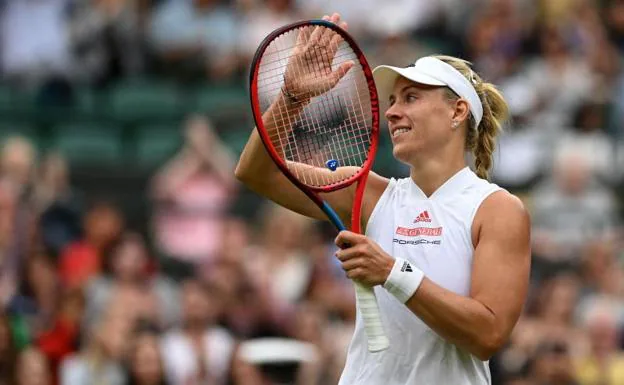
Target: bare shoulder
{"x":502,"y":205}
{"x":376,"y":184}
{"x":504,"y":215}
{"x":375,"y":187}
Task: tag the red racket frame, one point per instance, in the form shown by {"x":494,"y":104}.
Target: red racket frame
{"x":362,"y":174}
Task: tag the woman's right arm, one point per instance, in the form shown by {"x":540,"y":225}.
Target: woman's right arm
{"x":257,"y":171}
{"x":256,"y":168}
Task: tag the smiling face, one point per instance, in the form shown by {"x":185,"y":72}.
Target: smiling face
{"x":419,"y":119}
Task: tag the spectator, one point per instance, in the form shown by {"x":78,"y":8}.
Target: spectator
{"x":100,"y":360}
{"x":17,"y":162}
{"x":560,"y":79}
{"x":145,"y":360}
{"x":550,"y":315}
{"x":82,"y":260}
{"x":396,"y":45}
{"x":61,"y":336}
{"x":552,"y":365}
{"x":329,"y":286}
{"x":17,"y":165}
{"x":130,"y":276}
{"x":106,"y":39}
{"x":8,"y":352}
{"x":199,"y":352}
{"x":31,"y":56}
{"x":192,"y":194}
{"x":259,"y":21}
{"x":589,"y":140}
{"x":357,"y":12}
{"x":244,"y":373}
{"x":495,"y":38}
{"x":248,"y":309}
{"x":197,"y":35}
{"x":32,"y":368}
{"x":518,"y":381}
{"x":281,"y":262}
{"x":59,"y":205}
{"x":11,"y":260}
{"x":604,"y":364}
{"x":598,"y":260}
{"x":613,"y":14}
{"x":37,"y":299}
{"x":236,"y":243}
{"x":568,"y":211}
{"x":311,"y":324}
{"x":604,"y":284}
{"x":276,"y":361}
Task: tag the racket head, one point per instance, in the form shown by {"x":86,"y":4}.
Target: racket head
{"x":336,"y":130}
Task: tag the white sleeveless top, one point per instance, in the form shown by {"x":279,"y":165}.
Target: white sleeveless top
{"x":434,"y":234}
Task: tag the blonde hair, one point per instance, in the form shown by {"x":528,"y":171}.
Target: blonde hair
{"x":481,"y":140}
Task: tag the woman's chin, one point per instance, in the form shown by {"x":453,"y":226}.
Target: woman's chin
{"x":400,"y":153}
{"x":403,"y":152}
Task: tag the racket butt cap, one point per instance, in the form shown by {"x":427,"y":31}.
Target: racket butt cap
{"x":378,"y":344}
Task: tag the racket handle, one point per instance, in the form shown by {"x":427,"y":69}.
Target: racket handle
{"x":367,"y":302}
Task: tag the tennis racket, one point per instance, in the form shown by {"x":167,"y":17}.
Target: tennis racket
{"x":324,"y":136}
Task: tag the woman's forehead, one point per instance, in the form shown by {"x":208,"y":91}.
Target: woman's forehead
{"x":402,"y":84}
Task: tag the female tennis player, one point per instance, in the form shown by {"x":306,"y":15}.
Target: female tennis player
{"x":446,"y":251}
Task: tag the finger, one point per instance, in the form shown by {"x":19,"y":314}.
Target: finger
{"x":355,"y":274}
{"x":345,"y":237}
{"x":353,"y":263}
{"x":317,"y":33}
{"x":328,"y":33}
{"x":326,"y":37}
{"x":340,"y":72}
{"x":304,"y":36}
{"x":347,"y":254}
{"x":344,"y":25}
{"x":334,"y":44}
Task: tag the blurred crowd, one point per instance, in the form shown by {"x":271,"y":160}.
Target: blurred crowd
{"x":209,"y":296}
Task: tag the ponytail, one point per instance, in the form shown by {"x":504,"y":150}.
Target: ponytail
{"x":482,"y":140}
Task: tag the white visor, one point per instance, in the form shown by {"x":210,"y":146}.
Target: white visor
{"x":434,"y":72}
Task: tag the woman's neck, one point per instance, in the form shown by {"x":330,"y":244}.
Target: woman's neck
{"x":430,"y":174}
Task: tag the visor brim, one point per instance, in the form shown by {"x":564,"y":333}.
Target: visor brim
{"x":386,"y":76}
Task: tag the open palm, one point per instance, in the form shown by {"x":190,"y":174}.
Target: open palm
{"x":309,"y":70}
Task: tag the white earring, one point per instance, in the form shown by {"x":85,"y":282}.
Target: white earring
{"x":455,"y":123}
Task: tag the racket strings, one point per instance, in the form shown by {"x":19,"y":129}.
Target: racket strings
{"x":334,"y":127}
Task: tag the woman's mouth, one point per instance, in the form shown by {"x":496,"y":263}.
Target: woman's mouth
{"x":400,"y":130}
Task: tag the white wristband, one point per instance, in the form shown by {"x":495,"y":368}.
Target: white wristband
{"x":404,"y":280}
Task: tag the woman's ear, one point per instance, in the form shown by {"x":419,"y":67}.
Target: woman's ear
{"x":462,"y":111}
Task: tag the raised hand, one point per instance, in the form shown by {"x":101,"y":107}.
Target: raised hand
{"x":309,"y":71}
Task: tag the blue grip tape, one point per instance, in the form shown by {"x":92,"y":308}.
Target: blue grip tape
{"x":333,"y":217}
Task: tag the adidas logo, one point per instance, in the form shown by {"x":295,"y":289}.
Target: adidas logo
{"x":406,"y":267}
{"x":423,"y":217}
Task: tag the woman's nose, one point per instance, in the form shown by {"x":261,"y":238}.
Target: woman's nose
{"x":393,"y":112}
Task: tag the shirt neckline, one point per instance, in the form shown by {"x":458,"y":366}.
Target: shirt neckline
{"x":450,"y":186}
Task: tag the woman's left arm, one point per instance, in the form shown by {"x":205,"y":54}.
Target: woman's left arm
{"x":482,"y":322}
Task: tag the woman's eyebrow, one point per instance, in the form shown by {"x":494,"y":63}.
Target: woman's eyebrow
{"x":407,"y":87}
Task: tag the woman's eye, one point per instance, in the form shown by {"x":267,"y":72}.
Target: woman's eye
{"x":411,"y":97}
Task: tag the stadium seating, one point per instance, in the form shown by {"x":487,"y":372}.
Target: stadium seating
{"x":141,"y":101}
{"x":89,"y":143}
{"x":155,"y":143}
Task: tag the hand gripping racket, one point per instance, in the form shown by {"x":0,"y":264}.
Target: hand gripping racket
{"x":316,"y":109}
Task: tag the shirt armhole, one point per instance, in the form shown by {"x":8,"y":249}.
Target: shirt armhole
{"x":380,"y":203}
{"x":493,"y":188}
